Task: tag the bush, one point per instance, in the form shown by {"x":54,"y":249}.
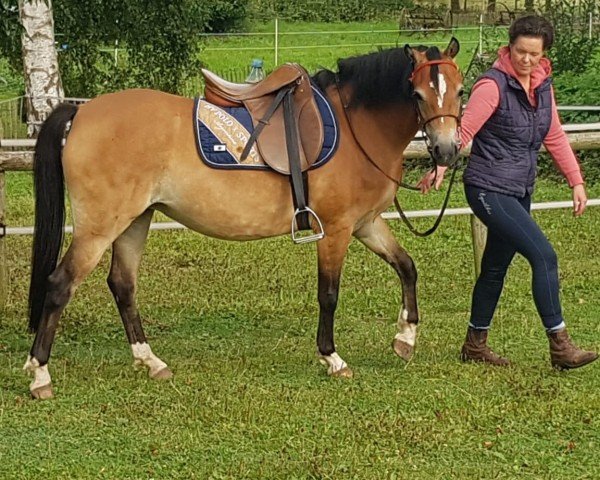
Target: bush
{"x":11,"y":81}
{"x":578,"y":89}
{"x":160,"y":37}
{"x":330,"y":10}
{"x":573,"y":47}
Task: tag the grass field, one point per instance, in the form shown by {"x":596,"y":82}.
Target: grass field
{"x":316,"y":45}
{"x":236,"y":322}
{"x":320,"y":45}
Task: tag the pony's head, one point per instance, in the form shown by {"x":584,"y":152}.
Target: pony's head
{"x":437,"y":89}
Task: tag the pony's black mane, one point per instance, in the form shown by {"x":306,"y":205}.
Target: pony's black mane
{"x":378,"y":78}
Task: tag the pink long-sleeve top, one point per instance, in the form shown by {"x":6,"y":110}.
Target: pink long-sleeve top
{"x":485,"y":98}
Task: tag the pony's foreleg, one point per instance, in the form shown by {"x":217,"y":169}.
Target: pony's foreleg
{"x":378,"y":238}
{"x":331,"y":250}
{"x":122,"y":281}
{"x":81,"y":258}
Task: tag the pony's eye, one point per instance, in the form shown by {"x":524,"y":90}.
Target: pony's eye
{"x":461,"y":92}
{"x":417,"y":96}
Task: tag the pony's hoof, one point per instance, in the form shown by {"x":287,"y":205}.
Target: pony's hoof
{"x":343,"y":373}
{"x":403,"y":349}
{"x":42,"y":393}
{"x":163,"y":374}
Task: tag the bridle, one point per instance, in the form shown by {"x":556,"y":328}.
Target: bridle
{"x":399,"y":183}
{"x":420,"y":117}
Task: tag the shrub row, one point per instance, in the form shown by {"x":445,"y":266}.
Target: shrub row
{"x":329,"y":10}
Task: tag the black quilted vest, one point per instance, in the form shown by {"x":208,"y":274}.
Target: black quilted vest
{"x":505,"y":151}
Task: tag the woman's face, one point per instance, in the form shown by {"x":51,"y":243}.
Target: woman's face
{"x":525,"y":54}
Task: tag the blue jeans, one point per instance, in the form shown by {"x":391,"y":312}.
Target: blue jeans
{"x":511,"y":229}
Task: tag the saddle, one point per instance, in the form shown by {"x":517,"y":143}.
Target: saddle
{"x":259,"y":99}
{"x":288,"y":129}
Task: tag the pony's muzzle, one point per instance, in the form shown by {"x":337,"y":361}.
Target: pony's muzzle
{"x":445,"y":153}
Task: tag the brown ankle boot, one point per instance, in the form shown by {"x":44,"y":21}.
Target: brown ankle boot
{"x":475,"y":349}
{"x":564,"y":354}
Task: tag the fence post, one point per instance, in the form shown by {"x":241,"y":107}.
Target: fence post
{"x":479,"y":236}
{"x":480,"y":47}
{"x":3,"y":266}
{"x":276,"y":43}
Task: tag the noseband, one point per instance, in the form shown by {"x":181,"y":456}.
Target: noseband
{"x":420,"y":117}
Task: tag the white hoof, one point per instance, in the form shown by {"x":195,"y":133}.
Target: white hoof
{"x":343,"y":373}
{"x":403,"y":349}
{"x":336,"y":367}
{"x":41,"y":387}
{"x":406,"y":338}
{"x":157,"y":369}
{"x":42,"y":393}
{"x":164,"y":374}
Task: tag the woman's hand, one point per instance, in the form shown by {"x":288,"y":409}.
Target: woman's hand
{"x":579,"y":199}
{"x":426,"y":182}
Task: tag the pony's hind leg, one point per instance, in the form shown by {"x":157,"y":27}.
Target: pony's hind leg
{"x":377,"y":237}
{"x":81,"y":258}
{"x":122,"y":281}
{"x":331,"y":250}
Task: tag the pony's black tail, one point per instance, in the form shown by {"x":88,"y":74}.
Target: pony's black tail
{"x":49,"y":207}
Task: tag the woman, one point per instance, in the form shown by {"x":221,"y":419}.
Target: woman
{"x":510,"y":113}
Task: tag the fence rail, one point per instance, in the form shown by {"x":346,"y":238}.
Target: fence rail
{"x":583,"y":136}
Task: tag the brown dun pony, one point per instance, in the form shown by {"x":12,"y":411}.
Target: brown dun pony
{"x":133,"y":152}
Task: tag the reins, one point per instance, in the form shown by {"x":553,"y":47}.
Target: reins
{"x":438,"y":220}
{"x":400,"y":183}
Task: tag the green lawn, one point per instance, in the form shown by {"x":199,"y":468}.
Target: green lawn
{"x":320,"y":45}
{"x":236,"y":322}
{"x":317,"y":45}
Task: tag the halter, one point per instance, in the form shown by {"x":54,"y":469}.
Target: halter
{"x":424,"y":123}
{"x":400,"y":183}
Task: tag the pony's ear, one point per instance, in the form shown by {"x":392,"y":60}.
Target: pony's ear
{"x":408,"y":51}
{"x":453,"y":48}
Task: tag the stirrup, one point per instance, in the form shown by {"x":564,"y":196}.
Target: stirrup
{"x":306,"y":238}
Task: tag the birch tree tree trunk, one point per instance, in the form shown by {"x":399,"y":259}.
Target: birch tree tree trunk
{"x":43,"y":86}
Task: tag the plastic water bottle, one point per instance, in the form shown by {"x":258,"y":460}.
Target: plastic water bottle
{"x":256,"y":72}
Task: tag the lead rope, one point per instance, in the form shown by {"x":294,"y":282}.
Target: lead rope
{"x":442,"y":211}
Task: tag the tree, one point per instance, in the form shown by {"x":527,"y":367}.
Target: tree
{"x":159,"y":39}
{"x":455,"y":6}
{"x":43,"y":87}
{"x":529,"y":5}
{"x":491,"y":6}
{"x":574,"y":50}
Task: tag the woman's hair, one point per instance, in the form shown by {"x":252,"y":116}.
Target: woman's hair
{"x":532,"y":26}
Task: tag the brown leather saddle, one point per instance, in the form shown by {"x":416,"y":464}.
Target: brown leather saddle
{"x":288,"y":129}
{"x":258,"y":99}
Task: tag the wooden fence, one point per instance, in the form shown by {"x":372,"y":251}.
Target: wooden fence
{"x":581,"y":137}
